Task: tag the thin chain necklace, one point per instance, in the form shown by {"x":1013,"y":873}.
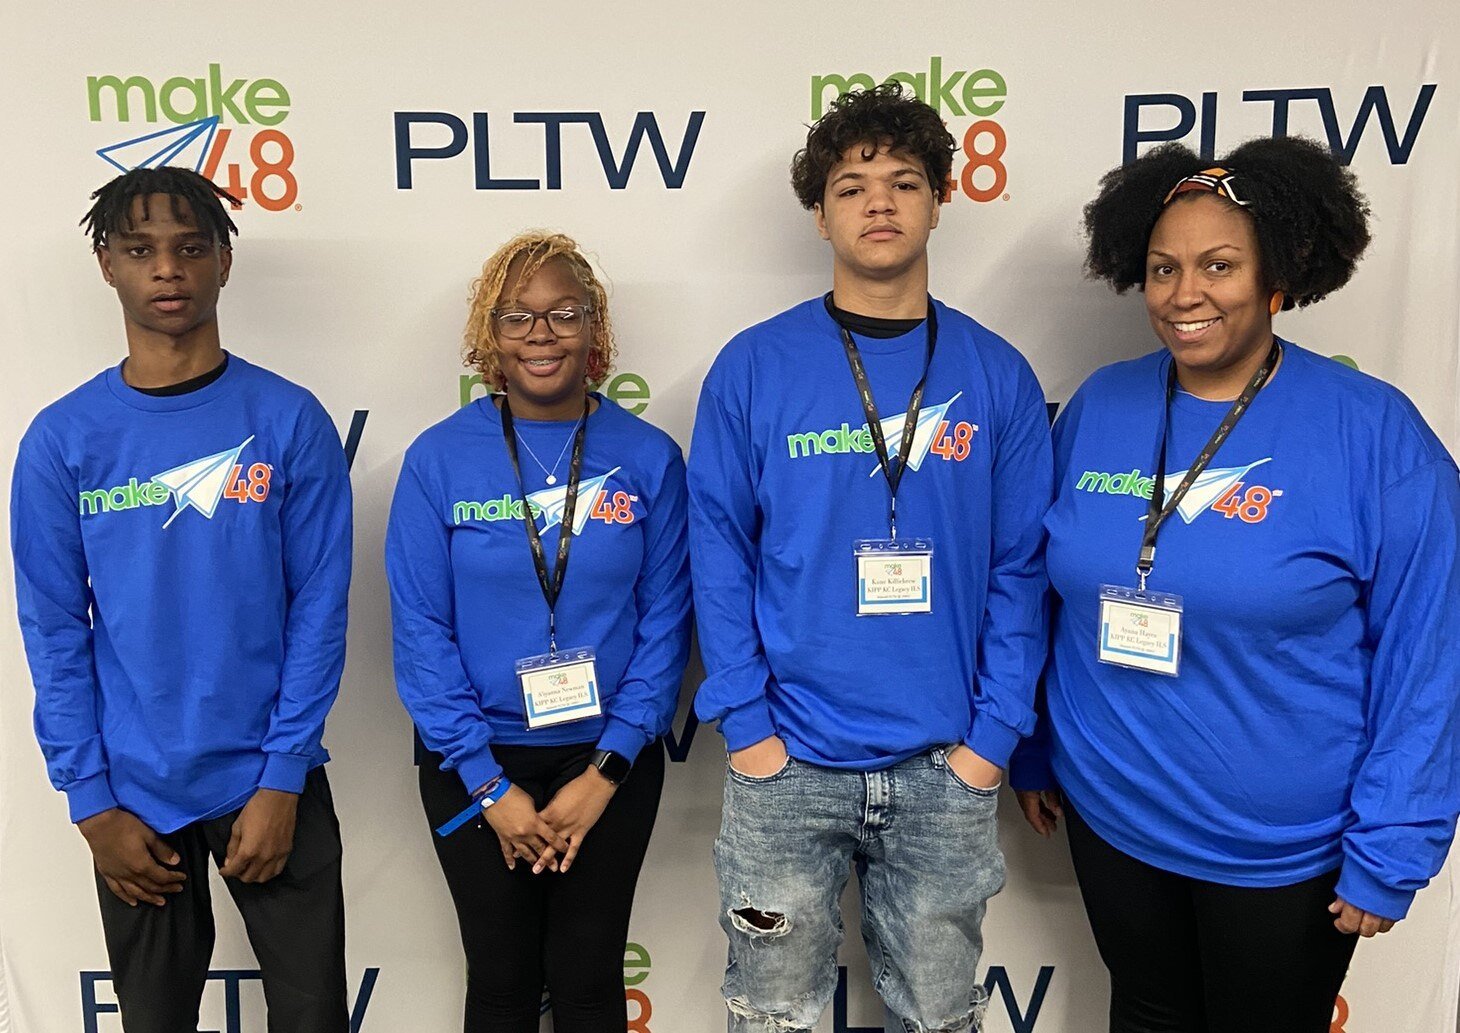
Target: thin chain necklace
{"x":552,"y":475}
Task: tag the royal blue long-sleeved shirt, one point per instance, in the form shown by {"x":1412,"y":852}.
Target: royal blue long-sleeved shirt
{"x":783,"y":480}
{"x":182,"y":567}
{"x":1314,"y":724}
{"x":466,"y":603}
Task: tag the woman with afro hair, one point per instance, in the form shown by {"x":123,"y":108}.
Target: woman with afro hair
{"x":1250,"y":712}
{"x":540,"y":690}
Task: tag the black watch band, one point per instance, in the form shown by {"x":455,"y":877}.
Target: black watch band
{"x":613,"y":766}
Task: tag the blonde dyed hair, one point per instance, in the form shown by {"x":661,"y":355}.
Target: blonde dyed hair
{"x":480,"y":348}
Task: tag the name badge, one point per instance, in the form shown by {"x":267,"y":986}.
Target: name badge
{"x":894,"y":576}
{"x":559,"y":687}
{"x":1141,"y":630}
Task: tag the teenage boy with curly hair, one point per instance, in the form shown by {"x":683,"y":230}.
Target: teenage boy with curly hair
{"x":867,"y":479}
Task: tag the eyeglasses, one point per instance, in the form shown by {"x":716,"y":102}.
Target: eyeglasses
{"x":516,"y":323}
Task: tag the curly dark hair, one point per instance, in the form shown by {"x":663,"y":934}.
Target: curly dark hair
{"x":1312,"y":221}
{"x":881,"y":116}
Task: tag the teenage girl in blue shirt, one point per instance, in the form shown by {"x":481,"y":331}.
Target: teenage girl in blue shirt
{"x":551,"y":770}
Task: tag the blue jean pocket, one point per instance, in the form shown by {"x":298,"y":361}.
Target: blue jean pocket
{"x":940,"y":759}
{"x":759,"y":780}
{"x":990,"y":793}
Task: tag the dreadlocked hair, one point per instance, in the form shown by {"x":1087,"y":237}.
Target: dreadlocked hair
{"x":883,"y":116}
{"x":480,"y":350}
{"x":1311,"y":219}
{"x":112,"y":210}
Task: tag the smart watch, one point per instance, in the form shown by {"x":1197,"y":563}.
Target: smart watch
{"x":613,"y":766}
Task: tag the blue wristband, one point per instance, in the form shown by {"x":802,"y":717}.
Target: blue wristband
{"x":495,"y":792}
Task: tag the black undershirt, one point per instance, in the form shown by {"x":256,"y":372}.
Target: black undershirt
{"x":870,"y":326}
{"x":187,"y":386}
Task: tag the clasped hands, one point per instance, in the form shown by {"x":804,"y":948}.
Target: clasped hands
{"x":139,"y":866}
{"x":549,"y":839}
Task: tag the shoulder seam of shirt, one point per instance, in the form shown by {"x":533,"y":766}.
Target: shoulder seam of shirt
{"x":714,"y":396}
{"x":1421,"y":468}
{"x":315,"y":433}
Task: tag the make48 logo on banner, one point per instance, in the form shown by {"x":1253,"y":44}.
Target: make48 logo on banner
{"x":225,"y":129}
{"x":966,"y":99}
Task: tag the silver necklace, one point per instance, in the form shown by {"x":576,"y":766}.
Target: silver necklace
{"x":552,"y":475}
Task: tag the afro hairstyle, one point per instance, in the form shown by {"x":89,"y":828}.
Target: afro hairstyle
{"x":1312,"y":221}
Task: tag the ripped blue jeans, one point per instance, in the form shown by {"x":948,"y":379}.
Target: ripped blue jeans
{"x":927,"y":854}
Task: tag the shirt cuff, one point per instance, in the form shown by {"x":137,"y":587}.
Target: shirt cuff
{"x":285,"y":772}
{"x":88,"y":797}
{"x":478,"y":769}
{"x":992,"y":740}
{"x":1358,"y":887}
{"x":747,"y":725}
{"x":622,"y":738}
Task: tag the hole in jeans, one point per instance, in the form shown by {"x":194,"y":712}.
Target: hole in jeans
{"x":802,"y":1014}
{"x":755,"y":922}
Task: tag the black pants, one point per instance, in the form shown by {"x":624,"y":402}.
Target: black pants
{"x":295,"y":922}
{"x":521,"y":931}
{"x":1188,"y":956}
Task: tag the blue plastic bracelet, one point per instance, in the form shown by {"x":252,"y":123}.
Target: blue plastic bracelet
{"x":474,"y":809}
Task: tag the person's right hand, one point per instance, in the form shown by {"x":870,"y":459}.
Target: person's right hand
{"x":521,"y":830}
{"x":762,"y":760}
{"x":1042,"y":809}
{"x":130,"y":857}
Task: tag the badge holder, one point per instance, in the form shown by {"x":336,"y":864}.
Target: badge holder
{"x":1140,"y":630}
{"x":894,"y":576}
{"x":559,"y":687}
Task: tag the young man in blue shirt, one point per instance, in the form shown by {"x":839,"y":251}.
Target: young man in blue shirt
{"x":181,"y":531}
{"x":867,"y":478}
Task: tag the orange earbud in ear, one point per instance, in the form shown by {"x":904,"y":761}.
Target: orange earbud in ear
{"x":1276,"y":304}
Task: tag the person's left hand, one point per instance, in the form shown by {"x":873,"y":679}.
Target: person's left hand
{"x":574,"y":810}
{"x":1043,"y":809}
{"x":1353,"y":920}
{"x":263,"y":836}
{"x":973,"y":769}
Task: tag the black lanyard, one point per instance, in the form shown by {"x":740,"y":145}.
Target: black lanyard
{"x":1156,"y":513}
{"x":551,"y":588}
{"x":891,"y":470}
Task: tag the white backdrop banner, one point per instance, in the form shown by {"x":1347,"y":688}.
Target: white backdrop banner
{"x":386,"y":149}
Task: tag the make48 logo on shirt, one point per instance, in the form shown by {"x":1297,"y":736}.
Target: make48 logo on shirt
{"x":935,"y":434}
{"x":954,"y":442}
{"x":1229,"y":491}
{"x":619,"y":509}
{"x":595,"y":502}
{"x":1251,"y":507}
{"x":199,"y":484}
{"x":616,"y":508}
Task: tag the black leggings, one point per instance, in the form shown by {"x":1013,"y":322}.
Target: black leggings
{"x":1188,"y":956}
{"x":523,"y":932}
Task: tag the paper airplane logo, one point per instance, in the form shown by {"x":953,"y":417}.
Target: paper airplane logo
{"x":1208,"y":488}
{"x":186,"y":145}
{"x":551,"y":501}
{"x":928,"y":422}
{"x":199,"y":484}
